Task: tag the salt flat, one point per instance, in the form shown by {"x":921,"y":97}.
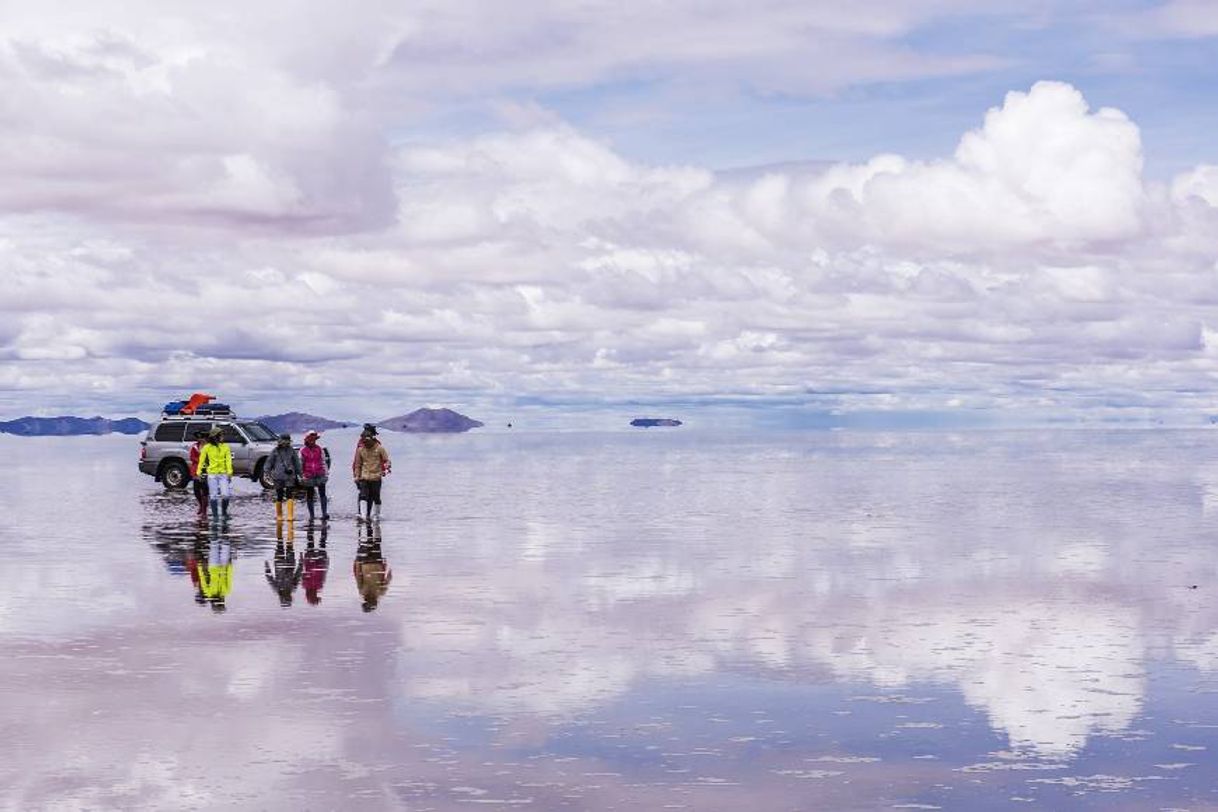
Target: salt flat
{"x":647,"y":620}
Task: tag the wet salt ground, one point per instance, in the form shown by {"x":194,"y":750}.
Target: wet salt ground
{"x":631,"y":621}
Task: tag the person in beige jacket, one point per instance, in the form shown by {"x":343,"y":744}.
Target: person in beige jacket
{"x":370,"y":466}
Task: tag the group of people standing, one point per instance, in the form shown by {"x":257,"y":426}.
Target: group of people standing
{"x":211,"y":471}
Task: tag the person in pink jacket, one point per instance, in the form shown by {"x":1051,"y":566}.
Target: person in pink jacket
{"x":315,"y":472}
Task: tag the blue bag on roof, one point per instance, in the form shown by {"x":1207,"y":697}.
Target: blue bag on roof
{"x":174,"y":407}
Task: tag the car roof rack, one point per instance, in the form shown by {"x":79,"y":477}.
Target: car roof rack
{"x":203,"y":413}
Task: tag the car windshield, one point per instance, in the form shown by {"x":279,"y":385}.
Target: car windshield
{"x":258,"y":432}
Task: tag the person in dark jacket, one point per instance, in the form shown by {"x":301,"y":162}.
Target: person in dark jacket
{"x":283,"y":467}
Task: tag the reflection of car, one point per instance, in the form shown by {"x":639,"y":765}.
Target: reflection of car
{"x":165,"y":451}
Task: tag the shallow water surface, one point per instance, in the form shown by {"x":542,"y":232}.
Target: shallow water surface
{"x":651,"y":620}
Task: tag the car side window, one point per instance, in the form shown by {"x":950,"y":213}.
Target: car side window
{"x":170,"y":432}
{"x":193,"y":427}
{"x":231,"y":435}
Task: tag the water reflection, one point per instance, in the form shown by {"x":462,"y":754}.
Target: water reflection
{"x":953,"y":622}
{"x":316,"y":564}
{"x":216,"y":573}
{"x":1041,"y":612}
{"x":288,"y":568}
{"x":372,"y":574}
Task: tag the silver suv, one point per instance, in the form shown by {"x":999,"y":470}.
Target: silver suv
{"x":165,"y":451}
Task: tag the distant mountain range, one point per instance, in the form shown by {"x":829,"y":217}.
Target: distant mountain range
{"x":298,"y":422}
{"x":71,"y":426}
{"x":422,"y":421}
{"x":431,"y":421}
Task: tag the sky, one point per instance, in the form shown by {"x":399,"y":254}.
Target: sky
{"x":944,"y":210}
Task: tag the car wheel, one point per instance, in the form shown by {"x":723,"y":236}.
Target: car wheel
{"x":174,"y":476}
{"x":264,"y":476}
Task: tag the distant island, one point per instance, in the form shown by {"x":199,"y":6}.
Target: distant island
{"x":66,"y":426}
{"x":297,"y":422}
{"x":431,"y":421}
{"x":649,"y":422}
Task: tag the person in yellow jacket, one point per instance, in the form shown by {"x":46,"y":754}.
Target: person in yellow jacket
{"x":216,"y":462}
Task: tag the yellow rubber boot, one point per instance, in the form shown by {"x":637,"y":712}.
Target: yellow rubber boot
{"x":291,"y":509}
{"x":279,"y":511}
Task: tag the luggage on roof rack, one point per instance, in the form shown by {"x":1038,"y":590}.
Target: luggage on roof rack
{"x":198,"y":404}
{"x":197,"y":400}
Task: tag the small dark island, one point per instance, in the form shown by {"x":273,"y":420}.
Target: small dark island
{"x":431,"y":421}
{"x":651,"y":422}
{"x":69,"y":426}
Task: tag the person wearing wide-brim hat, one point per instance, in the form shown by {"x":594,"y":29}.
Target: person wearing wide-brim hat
{"x":315,"y":472}
{"x":216,"y":463}
{"x":283,"y":467}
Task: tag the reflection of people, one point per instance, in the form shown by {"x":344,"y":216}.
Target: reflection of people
{"x":316,"y":565}
{"x":198,"y":481}
{"x":283,"y":467}
{"x":371,"y":463}
{"x":216,"y":577}
{"x":287,"y":571}
{"x":315,"y":471}
{"x":216,"y":461}
{"x":372,"y":574}
{"x":195,"y":562}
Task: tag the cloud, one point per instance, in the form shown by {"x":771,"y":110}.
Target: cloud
{"x":465,"y":48}
{"x":1184,"y":18}
{"x":185,"y":209}
{"x":1042,"y":168}
{"x":113,"y":117}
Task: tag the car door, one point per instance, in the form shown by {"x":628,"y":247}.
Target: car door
{"x":239,"y":445}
